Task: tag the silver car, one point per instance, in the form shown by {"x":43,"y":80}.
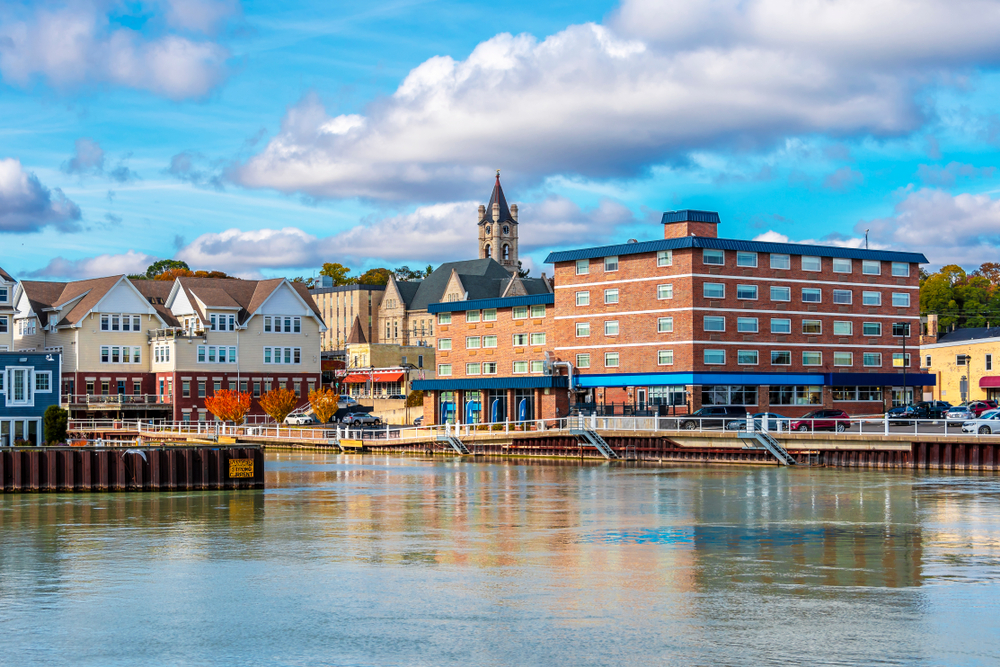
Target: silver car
{"x":985,"y":424}
{"x":360,"y":419}
{"x":959,"y":413}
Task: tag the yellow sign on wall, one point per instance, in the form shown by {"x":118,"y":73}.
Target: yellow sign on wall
{"x":240,"y":468}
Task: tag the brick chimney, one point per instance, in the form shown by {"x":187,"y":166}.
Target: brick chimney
{"x":690,"y":223}
{"x":929,"y":329}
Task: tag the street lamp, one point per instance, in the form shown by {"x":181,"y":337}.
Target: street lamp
{"x":904,"y":328}
{"x":967,"y":360}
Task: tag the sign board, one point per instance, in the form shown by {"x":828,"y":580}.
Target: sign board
{"x":352,"y":444}
{"x":240,"y":468}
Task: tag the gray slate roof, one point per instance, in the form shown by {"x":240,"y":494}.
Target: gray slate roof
{"x":972,"y":333}
{"x":482,"y":278}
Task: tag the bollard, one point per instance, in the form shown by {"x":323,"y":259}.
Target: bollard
{"x":886,"y":422}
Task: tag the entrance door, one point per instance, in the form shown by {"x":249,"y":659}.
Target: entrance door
{"x":640,"y":399}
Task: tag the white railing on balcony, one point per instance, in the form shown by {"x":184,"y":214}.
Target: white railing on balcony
{"x":113,"y":400}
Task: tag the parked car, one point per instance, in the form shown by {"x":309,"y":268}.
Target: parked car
{"x":823,"y":420}
{"x":419,"y":421}
{"x":360,"y":419}
{"x":715,"y":416}
{"x":979,"y":407}
{"x":346,"y":402}
{"x":396,"y":397}
{"x":960,"y":414}
{"x":988,"y":422}
{"x":901,"y":414}
{"x":299,"y":420}
{"x":762,"y":421}
{"x":931,"y":409}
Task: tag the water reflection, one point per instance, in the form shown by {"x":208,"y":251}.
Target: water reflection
{"x":380,"y":560}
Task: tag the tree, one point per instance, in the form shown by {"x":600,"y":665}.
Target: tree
{"x":428,"y":271}
{"x":338,"y":272}
{"x":378,"y":276}
{"x":415,"y":399}
{"x":56,"y":421}
{"x":229,"y":405}
{"x":173,"y":274}
{"x":324,"y":403}
{"x":308,"y":282}
{"x":156,"y":268}
{"x":522,"y":272}
{"x":279,"y":403}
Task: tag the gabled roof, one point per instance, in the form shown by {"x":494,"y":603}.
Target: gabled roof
{"x":247,"y":295}
{"x":156,"y":292}
{"x":497,"y":198}
{"x":482,"y":279}
{"x":7,"y":278}
{"x":357,"y":336}
{"x":44,"y":295}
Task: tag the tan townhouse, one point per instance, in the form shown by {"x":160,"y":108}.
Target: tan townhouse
{"x":7,"y":286}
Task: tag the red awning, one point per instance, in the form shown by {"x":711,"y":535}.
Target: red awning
{"x":989,"y":381}
{"x":377,"y":376}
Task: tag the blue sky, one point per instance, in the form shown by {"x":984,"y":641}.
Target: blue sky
{"x":264,"y":138}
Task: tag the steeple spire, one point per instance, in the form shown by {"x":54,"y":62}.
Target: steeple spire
{"x":498,"y":229}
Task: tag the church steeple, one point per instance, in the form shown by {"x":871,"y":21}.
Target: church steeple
{"x":498,"y":229}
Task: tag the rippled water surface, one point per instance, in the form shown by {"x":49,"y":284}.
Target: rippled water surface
{"x":407,"y":561}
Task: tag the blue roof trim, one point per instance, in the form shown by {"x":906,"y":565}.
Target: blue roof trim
{"x":531,"y":382}
{"x":825,"y":379}
{"x":477,"y":304}
{"x":689,"y":215}
{"x":732,"y":244}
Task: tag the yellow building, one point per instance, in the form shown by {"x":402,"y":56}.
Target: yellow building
{"x":964,"y":362}
{"x":384,"y":369}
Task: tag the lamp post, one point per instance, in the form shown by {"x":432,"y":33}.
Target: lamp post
{"x":967,"y":394}
{"x":904,"y":328}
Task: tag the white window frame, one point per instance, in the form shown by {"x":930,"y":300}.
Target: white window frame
{"x":812,"y":290}
{"x":868,"y":264}
{"x":785,"y":352}
{"x":704,"y":290}
{"x":535,"y":308}
{"x":48,"y":380}
{"x":714,"y":318}
{"x":901,"y":274}
{"x":583,"y":264}
{"x":788,"y":290}
{"x":814,"y":333}
{"x":611,"y":296}
{"x":818,"y":264}
{"x":841,"y":261}
{"x":778,"y":259}
{"x":805,"y":352}
{"x":664,"y":357}
{"x":839,"y":294}
{"x":842,"y":323}
{"x":664,"y":325}
{"x":519,"y":313}
{"x":871,"y":335}
{"x":781,"y":319}
{"x":585,"y":326}
{"x":664,"y":258}
{"x":583,"y":360}
{"x":514,"y":339}
{"x":608,"y":357}
{"x":665,"y":291}
{"x":444,"y":370}
{"x":473,"y":342}
{"x":583,"y":298}
{"x":444,"y":343}
{"x":740,"y":321}
{"x":866,"y":355}
{"x":520,"y":362}
{"x":752,"y":288}
{"x":742,"y":255}
{"x":901,"y":296}
{"x":756,"y":358}
{"x":841,"y":364}
{"x":866,"y":295}
{"x":611,"y":263}
{"x":705,"y":252}
{"x":611,"y":327}
{"x":705,"y":353}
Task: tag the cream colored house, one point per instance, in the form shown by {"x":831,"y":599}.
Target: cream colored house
{"x":966,"y":363}
{"x":7,"y":288}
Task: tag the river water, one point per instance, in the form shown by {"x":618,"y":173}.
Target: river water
{"x":345,"y":560}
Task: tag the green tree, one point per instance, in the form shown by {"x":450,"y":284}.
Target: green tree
{"x":56,"y":421}
{"x":338,"y":272}
{"x":156,"y":268}
{"x":379,"y":276}
{"x":522,"y":272}
{"x":406,"y":273}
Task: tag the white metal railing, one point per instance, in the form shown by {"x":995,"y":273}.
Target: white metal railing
{"x":117,"y":399}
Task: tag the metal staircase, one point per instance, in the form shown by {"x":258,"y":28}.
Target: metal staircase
{"x":455,"y":443}
{"x":765,"y":441}
{"x":592,"y":438}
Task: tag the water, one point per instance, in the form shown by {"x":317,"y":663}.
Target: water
{"x":407,"y":561}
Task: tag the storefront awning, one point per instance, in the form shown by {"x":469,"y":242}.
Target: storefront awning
{"x":989,"y":381}
{"x":383,"y":376}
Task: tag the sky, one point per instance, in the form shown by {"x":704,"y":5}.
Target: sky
{"x":265,"y":138}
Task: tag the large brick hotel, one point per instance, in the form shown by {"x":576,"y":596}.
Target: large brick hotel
{"x":687,"y":321}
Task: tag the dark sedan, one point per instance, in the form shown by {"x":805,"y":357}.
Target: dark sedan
{"x":823,"y":420}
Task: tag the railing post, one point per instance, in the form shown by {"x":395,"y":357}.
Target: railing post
{"x":886,"y":422}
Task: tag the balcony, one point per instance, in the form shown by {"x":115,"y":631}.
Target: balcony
{"x":171,"y":333}
{"x":117,"y":401}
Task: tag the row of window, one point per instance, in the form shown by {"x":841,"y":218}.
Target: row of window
{"x":490,"y":368}
{"x":161,"y":353}
{"x":490,"y":314}
{"x":18,"y":386}
{"x":217,"y":354}
{"x":26,"y":327}
{"x":476,"y":342}
{"x":227,"y":323}
{"x":663,"y":258}
{"x":750,"y":325}
{"x":282,"y":355}
{"x":808,"y":295}
{"x":120,"y":354}
{"x":784,"y":394}
{"x":281,"y":324}
{"x":752,"y":358}
{"x":869,"y":267}
{"x":244,"y":387}
{"x":121,"y":323}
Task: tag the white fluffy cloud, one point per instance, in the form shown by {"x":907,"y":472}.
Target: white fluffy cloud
{"x":771,"y":236}
{"x":95,"y":267}
{"x":27,"y":206}
{"x":657,"y":81}
{"x":75,"y":44}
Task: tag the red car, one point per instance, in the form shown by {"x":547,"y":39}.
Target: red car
{"x":979,"y":407}
{"x":822,"y":420}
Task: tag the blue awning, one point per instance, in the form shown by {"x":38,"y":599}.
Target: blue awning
{"x":475,"y":384}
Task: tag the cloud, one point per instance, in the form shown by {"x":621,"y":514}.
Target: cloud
{"x":430,"y":234}
{"x":834,"y":239}
{"x":194,"y":168}
{"x":77,"y":44}
{"x":28,"y":206}
{"x":205,"y":16}
{"x":88,"y":158}
{"x":657,"y":81}
{"x":95,"y":267}
{"x":843,"y":179}
{"x":949,"y":229}
{"x":947,"y":175}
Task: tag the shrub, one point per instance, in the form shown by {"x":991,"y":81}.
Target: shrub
{"x":56,"y":421}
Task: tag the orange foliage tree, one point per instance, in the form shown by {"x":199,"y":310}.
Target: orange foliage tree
{"x":279,"y":403}
{"x":229,"y":405}
{"x":324,"y":403}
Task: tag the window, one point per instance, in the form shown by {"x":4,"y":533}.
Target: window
{"x":611,"y":296}
{"x":116,"y":323}
{"x":611,"y":328}
{"x":714,"y":323}
{"x":841,"y":265}
{"x":3,"y":324}
{"x":538,"y":338}
{"x":582,"y":267}
{"x":857,"y":394}
{"x":900,"y":300}
{"x":728,"y":395}
{"x":810,"y":263}
{"x":520,"y":366}
{"x":842,"y":296}
{"x":716,"y":257}
{"x":3,"y":295}
{"x":201,"y":388}
{"x":583,"y":298}
{"x":781,"y":293}
{"x":444,"y":343}
{"x":664,"y":325}
{"x":472,"y":342}
{"x":538,"y":366}
{"x":43,"y":381}
{"x":872,"y":359}
{"x":267,"y":325}
{"x":989,"y":362}
{"x":665,"y":358}
{"x":811,"y":295}
{"x":927,"y":361}
{"x":781,"y":358}
{"x":843,"y":359}
{"x":472,"y":316}
{"x":812,"y":358}
{"x":664,"y":292}
{"x":538,"y":310}
{"x":489,"y":368}
{"x":583,"y":360}
{"x":665,"y":258}
{"x":780,"y":261}
{"x":489,"y":341}
{"x":812,"y":327}
{"x":715,"y":357}
{"x":444,"y":318}
{"x":473,"y":369}
{"x":519,"y":312}
{"x":746,"y":357}
{"x":611,"y":359}
{"x":490,"y":315}
{"x":897,"y":360}
{"x":276,"y":355}
{"x":796,"y":395}
{"x":746,"y":259}
{"x":901,"y":269}
{"x":871,"y":329}
{"x":136,"y":323}
{"x":714,"y":291}
{"x":520,"y":339}
{"x":843,"y":328}
{"x":610,"y":264}
{"x":582,"y":329}
{"x":746,"y":292}
{"x":961,"y":359}
{"x":746,"y":324}
{"x":871,"y":298}
{"x":444,"y":370}
{"x":871,"y":267}
{"x":901,"y":329}
{"x":781,"y":326}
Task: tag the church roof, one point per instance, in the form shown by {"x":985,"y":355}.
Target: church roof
{"x":357,"y":336}
{"x":482,"y":278}
{"x":497,"y":198}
